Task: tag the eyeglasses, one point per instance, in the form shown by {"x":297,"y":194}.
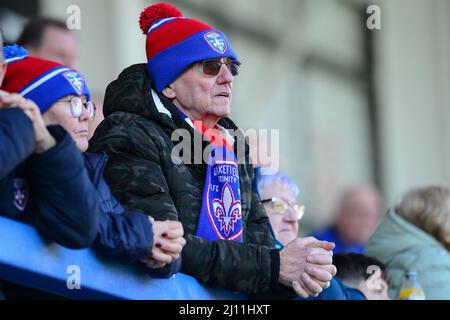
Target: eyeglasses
{"x":281,"y":206}
{"x":77,"y":104}
{"x":212,"y":67}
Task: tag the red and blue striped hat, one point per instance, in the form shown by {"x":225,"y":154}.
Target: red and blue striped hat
{"x":175,"y":42}
{"x":42,"y":81}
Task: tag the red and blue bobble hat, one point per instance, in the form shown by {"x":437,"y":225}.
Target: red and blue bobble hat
{"x":39,"y":80}
{"x":175,"y":42}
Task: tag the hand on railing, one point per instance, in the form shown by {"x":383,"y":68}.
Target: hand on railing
{"x":168,"y":243}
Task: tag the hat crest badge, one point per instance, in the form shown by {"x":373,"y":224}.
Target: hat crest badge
{"x":216,"y":41}
{"x":75,"y":80}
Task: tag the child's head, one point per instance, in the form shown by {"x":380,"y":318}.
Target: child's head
{"x":365,"y":273}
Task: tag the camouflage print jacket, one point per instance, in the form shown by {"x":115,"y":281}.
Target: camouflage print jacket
{"x":136,"y":135}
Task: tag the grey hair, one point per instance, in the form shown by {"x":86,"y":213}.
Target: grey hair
{"x":265,"y":181}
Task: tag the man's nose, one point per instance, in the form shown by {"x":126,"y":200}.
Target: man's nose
{"x":225,"y":75}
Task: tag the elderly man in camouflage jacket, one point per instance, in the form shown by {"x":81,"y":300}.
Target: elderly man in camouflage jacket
{"x":185,"y":90}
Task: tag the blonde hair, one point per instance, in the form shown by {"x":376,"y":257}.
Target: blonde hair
{"x":428,"y":209}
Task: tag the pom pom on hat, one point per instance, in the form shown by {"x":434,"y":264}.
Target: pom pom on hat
{"x":14,"y":51}
{"x":157,"y":12}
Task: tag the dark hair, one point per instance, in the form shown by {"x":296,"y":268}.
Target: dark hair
{"x":355,"y":267}
{"x":33,"y":33}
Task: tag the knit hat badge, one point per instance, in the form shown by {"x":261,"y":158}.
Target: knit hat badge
{"x":216,"y":41}
{"x":76,"y":81}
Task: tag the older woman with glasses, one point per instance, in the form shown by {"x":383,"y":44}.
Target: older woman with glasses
{"x":279,"y":193}
{"x":48,"y":187}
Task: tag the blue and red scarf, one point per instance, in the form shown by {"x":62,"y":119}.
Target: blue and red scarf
{"x":221,"y":214}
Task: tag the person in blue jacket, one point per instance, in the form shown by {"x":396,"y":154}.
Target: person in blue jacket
{"x":124,"y":235}
{"x":42,"y":176}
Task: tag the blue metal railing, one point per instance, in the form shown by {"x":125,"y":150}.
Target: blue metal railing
{"x":27,"y":259}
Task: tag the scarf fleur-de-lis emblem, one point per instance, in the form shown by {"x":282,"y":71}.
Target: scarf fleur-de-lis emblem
{"x":227,"y":210}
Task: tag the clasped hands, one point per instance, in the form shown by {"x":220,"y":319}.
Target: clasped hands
{"x":168,"y":242}
{"x":306,"y":266}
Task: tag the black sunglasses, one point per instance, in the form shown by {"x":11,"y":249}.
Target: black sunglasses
{"x":212,"y":67}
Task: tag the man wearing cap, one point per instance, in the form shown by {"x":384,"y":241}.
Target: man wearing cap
{"x":186,"y":87}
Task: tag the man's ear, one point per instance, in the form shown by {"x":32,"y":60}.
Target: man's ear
{"x":169,"y":93}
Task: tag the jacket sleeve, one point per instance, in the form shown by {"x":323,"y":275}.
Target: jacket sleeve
{"x":126,"y":237}
{"x":123,"y":235}
{"x":258,"y":231}
{"x":66,"y":209}
{"x":135,"y":174}
{"x":17,"y":140}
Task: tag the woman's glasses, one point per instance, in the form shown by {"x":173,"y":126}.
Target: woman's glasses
{"x":281,"y":206}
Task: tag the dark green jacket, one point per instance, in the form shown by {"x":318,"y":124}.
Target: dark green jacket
{"x":136,"y":135}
